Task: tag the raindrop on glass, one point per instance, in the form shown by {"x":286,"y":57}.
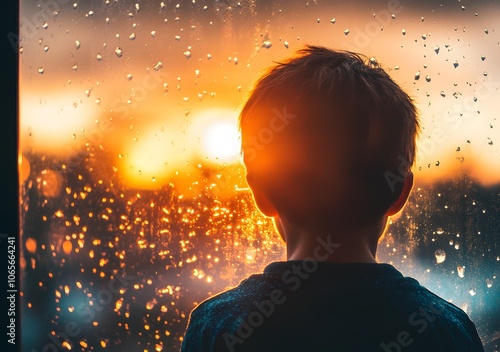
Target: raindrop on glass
{"x":332,"y":21}
{"x":461,"y":271}
{"x":187,"y":54}
{"x":267,"y":44}
{"x":132,"y":36}
{"x":158,"y":66}
{"x":347,"y":31}
{"x":118,"y":52}
{"x":41,"y":70}
{"x":440,"y":256}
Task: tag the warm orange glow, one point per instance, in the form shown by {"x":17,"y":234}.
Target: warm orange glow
{"x":24,"y":168}
{"x":67,"y":247}
{"x":218,"y":135}
{"x":51,"y":182}
{"x":31,"y":245}
{"x":149,"y":162}
{"x":50,"y":123}
{"x":221,"y":141}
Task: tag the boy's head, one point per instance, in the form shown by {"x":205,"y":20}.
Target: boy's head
{"x":327,"y":137}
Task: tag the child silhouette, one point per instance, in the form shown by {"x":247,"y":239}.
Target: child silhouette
{"x":328,"y":142}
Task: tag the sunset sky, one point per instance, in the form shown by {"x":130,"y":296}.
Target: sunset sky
{"x":159,"y":85}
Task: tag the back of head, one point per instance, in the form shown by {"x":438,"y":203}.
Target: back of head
{"x":320,"y":133}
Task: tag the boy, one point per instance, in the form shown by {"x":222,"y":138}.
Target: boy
{"x":328,"y":142}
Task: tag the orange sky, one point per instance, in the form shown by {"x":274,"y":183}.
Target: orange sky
{"x":168,"y":79}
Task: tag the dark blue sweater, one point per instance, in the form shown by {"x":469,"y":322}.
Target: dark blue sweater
{"x":321,"y":306}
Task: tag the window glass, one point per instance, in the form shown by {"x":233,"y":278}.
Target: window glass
{"x":134,"y":202}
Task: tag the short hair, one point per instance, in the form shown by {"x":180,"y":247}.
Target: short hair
{"x":346,"y":101}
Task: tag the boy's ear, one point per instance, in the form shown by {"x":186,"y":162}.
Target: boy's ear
{"x":260,"y":198}
{"x":403,"y":196}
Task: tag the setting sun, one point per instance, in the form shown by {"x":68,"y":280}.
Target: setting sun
{"x":222,"y":141}
{"x":218,"y":134}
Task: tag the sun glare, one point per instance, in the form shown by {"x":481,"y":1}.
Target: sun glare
{"x":218,"y":134}
{"x":151,"y":160}
{"x":222,"y":141}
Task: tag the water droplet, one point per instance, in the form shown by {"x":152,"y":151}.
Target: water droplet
{"x":132,"y":36}
{"x":463,"y":8}
{"x":75,"y":67}
{"x":153,"y":33}
{"x":486,"y":30}
{"x":455,"y":64}
{"x":472,"y":292}
{"x":333,"y":20}
{"x":118,"y":52}
{"x":440,"y":256}
{"x":285,"y":44}
{"x":129,"y":76}
{"x":489,"y":283}
{"x":75,"y":5}
{"x":158,"y":66}
{"x":187,"y":54}
{"x":403,"y":32}
{"x":439,"y":231}
{"x":424,"y":36}
{"x":428,"y":78}
{"x":483,"y":57}
{"x":46,"y":48}
{"x":235,"y":60}
{"x":267,"y":44}
{"x":177,"y":37}
{"x":77,"y":44}
{"x":209,"y":56}
{"x":45,"y":25}
{"x":461,"y":271}
{"x":417,"y":75}
{"x":436,"y":49}
{"x":99,"y":57}
{"x":347,"y":31}
{"x":41,"y":70}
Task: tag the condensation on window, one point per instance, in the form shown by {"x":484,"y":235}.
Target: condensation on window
{"x":134,"y":202}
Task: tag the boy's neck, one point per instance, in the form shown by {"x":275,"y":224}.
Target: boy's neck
{"x":358,"y":246}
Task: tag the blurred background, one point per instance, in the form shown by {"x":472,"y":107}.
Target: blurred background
{"x":134,"y":206}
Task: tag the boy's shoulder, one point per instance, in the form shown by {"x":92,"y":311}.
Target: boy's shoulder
{"x":388,"y":311}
